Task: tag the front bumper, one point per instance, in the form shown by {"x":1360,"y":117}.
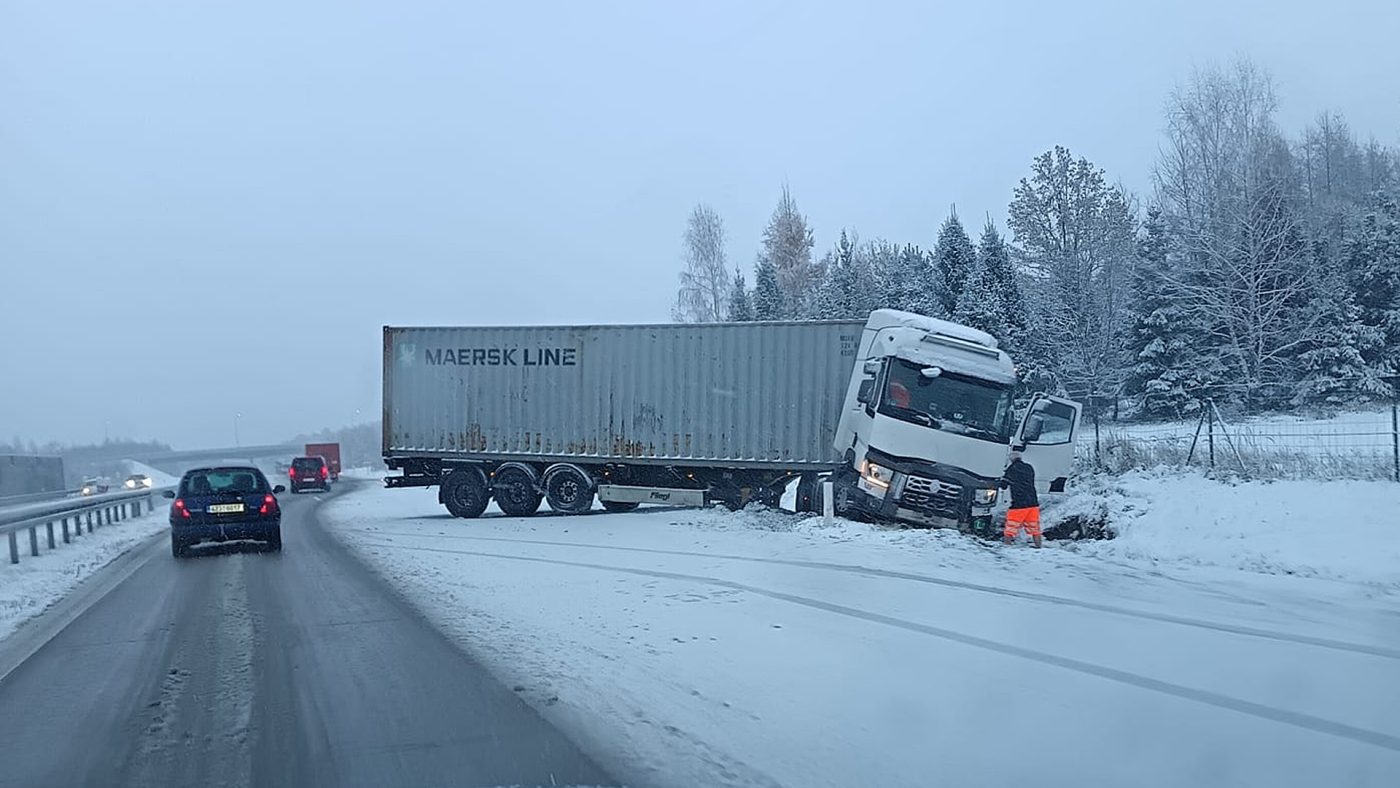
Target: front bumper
{"x":925,"y":494}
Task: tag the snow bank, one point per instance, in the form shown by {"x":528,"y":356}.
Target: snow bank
{"x":31,"y":586}
{"x":1340,"y":530}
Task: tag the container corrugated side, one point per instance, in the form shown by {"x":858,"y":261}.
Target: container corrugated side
{"x":740,"y":394}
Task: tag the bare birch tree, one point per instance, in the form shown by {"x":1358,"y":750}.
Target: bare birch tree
{"x":705,"y":282}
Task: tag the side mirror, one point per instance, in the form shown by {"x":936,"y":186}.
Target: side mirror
{"x":872,"y":367}
{"x":867,"y":390}
{"x":1034,"y":426}
{"x":168,"y":494}
{"x":279,"y":489}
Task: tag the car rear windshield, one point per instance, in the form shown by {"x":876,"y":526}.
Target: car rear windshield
{"x":224,"y":480}
{"x":307,"y":463}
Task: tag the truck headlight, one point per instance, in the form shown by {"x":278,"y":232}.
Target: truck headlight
{"x":984,"y":497}
{"x":875,"y":479}
{"x":878,"y":475}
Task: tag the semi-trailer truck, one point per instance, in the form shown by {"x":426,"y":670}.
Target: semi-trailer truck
{"x":910,"y":418}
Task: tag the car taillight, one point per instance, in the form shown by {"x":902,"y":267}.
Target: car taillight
{"x":269,"y":505}
{"x":325,"y":471}
{"x":292,"y":473}
{"x":179,"y":506}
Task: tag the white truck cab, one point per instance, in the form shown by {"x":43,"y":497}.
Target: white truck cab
{"x":928,"y":423}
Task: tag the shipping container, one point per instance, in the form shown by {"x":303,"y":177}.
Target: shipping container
{"x":671,"y":414}
{"x":23,"y":474}
{"x":740,"y":395}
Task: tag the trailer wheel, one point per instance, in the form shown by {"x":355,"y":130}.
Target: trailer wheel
{"x":808,"y":494}
{"x":617,"y":507}
{"x":568,"y":489}
{"x":464,"y":492}
{"x":515,"y":491}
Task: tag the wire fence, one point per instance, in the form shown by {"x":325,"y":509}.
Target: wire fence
{"x":1360,"y":444}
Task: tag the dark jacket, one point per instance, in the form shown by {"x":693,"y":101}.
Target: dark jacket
{"x":1020,"y":477}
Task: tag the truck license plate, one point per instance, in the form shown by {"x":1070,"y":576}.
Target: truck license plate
{"x":225,"y":508}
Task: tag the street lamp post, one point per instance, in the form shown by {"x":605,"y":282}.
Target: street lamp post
{"x":236,"y":417}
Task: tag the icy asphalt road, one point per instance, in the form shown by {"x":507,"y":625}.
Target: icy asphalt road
{"x":235,"y":669}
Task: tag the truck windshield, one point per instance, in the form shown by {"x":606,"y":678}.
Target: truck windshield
{"x":951,"y":402}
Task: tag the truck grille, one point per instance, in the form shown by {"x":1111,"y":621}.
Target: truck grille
{"x":932,"y":496}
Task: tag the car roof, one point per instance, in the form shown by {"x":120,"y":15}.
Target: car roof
{"x":222,"y":468}
{"x":310,"y":457}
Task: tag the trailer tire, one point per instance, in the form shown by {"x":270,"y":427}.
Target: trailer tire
{"x":464,"y":492}
{"x":568,"y":489}
{"x":515,"y":490}
{"x":618,"y":507}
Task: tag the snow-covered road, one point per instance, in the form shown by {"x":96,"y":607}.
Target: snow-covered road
{"x":688,"y":648}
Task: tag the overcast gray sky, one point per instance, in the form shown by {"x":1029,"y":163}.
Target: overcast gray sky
{"x":211,"y":208}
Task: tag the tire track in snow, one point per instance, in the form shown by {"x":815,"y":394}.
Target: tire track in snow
{"x":1261,"y":711}
{"x":856,"y":569}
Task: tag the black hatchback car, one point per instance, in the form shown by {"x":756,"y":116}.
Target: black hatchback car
{"x":310,"y":473}
{"x":228,"y":504}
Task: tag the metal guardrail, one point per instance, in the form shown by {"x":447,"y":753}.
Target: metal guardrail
{"x":52,"y":495}
{"x":94,"y":512}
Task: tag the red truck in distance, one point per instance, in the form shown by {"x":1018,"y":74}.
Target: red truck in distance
{"x":331,"y":453}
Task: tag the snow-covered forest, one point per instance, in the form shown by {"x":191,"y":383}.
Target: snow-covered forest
{"x":1263,"y":269}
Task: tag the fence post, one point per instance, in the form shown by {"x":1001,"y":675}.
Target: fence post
{"x":14,"y":548}
{"x":34,"y":540}
{"x":66,"y":539}
{"x":49,"y":527}
{"x":1210,"y":430}
{"x":1395,"y":434}
{"x":1098,"y":462}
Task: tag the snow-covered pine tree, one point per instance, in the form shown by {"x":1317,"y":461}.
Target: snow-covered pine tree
{"x":787,"y":247}
{"x":979,"y":303}
{"x":740,"y":307}
{"x":954,"y":259}
{"x":843,"y":294}
{"x":1333,"y":362}
{"x":1161,"y":343}
{"x":768,"y":302}
{"x":910,"y":282}
{"x":1373,"y":270}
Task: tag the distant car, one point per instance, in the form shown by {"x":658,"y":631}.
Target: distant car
{"x":309,"y":473}
{"x":137,"y":481}
{"x":93,"y":486}
{"x":226,"y":504}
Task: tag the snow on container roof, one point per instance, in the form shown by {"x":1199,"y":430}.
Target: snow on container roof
{"x":894,"y":318}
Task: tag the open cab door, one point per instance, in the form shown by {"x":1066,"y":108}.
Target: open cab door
{"x":1048,"y":431}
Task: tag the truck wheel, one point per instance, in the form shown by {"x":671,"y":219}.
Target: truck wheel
{"x":568,"y":490}
{"x":464,"y":493}
{"x":617,"y":507}
{"x":514,"y":490}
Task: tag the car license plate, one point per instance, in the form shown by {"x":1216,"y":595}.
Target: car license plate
{"x":226,"y":508}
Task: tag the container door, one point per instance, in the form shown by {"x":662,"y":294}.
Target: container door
{"x":1048,"y":431}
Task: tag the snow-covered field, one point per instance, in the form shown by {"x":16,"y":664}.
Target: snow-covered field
{"x":1245,"y":635}
{"x":32,"y":585}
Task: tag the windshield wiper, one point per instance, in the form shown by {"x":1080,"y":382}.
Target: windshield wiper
{"x":920,"y":417}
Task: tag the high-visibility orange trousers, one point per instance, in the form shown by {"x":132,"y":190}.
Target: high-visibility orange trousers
{"x":1016,"y":519}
